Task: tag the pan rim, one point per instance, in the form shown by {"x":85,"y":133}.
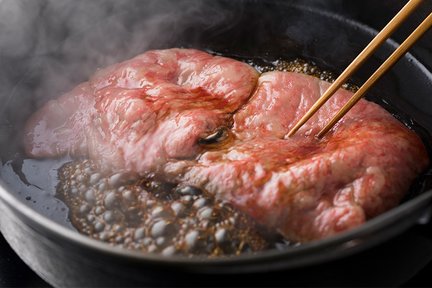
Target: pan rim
{"x":424,"y":200}
{"x":57,"y":229}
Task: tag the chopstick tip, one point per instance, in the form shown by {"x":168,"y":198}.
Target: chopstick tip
{"x":291,"y":133}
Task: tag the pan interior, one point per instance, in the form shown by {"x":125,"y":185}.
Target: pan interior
{"x":261,"y":32}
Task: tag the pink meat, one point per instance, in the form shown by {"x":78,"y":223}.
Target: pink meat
{"x":307,"y":188}
{"x":136,"y":115}
{"x":147,"y":114}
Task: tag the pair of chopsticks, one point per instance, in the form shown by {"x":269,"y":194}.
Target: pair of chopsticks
{"x":361,"y":58}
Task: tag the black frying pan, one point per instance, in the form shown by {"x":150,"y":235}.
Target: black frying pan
{"x":57,"y":56}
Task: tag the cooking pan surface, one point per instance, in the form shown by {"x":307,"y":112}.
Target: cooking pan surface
{"x":274,"y":34}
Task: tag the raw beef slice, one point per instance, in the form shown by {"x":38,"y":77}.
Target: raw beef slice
{"x":135,"y":115}
{"x":304,"y":187}
{"x":148,"y":115}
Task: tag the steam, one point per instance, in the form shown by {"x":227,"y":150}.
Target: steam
{"x":69,"y":40}
{"x":49,"y":46}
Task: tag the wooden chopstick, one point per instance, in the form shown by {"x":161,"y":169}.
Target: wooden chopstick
{"x":403,"y":48}
{"x":358,"y":61}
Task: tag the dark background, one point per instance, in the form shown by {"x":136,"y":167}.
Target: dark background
{"x":414,"y":247}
